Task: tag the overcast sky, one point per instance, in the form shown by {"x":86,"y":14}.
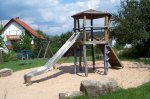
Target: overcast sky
{"x":52,"y":16}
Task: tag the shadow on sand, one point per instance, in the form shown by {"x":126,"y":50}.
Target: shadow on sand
{"x":70,"y":69}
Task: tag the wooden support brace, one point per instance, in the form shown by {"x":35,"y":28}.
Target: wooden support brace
{"x":75,"y":59}
{"x":80,"y":58}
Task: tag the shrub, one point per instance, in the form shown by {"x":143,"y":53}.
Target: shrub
{"x":11,"y":56}
{"x":134,"y":52}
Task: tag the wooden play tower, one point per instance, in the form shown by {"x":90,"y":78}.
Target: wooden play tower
{"x":108,"y":53}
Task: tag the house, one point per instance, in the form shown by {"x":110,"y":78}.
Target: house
{"x":13,"y":30}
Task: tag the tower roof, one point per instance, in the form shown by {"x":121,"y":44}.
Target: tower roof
{"x":91,"y":14}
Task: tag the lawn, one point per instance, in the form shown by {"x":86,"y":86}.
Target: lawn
{"x":141,"y":92}
{"x":20,"y":65}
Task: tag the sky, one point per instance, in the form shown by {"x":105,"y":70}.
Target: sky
{"x":53,"y":17}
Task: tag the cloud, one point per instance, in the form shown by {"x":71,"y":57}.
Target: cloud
{"x":52,"y":16}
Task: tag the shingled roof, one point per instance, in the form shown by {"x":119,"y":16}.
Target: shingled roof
{"x":25,"y":26}
{"x":91,"y":14}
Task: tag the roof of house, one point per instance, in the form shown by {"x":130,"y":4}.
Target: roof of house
{"x":25,"y":26}
{"x":91,"y":14}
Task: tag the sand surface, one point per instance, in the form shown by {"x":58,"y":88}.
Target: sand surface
{"x":62,"y":79}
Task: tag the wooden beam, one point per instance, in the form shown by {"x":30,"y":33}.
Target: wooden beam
{"x":84,"y":46}
{"x":106,"y":29}
{"x":78,"y":22}
{"x":46,"y":50}
{"x":90,"y":42}
{"x":84,"y":29}
{"x":92,"y":47}
{"x":80,"y":58}
{"x":75,"y":59}
{"x":74,"y":24}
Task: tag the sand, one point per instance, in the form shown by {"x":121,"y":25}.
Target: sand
{"x":62,"y":79}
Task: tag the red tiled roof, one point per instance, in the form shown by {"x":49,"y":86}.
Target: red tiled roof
{"x":26,"y":27}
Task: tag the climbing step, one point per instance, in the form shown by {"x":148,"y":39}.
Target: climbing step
{"x":113,"y":58}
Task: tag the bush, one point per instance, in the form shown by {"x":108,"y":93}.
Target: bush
{"x":134,"y":52}
{"x":11,"y":56}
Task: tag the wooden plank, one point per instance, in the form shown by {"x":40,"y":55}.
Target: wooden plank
{"x":113,"y":58}
{"x":78,"y":22}
{"x":80,"y":58}
{"x":75,"y":59}
{"x":74,"y":24}
{"x":102,"y":27}
{"x":92,"y":47}
{"x":106,"y":29}
{"x":84,"y":47}
{"x":90,"y":42}
{"x":46,"y":49}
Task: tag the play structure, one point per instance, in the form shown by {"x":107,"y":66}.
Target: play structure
{"x":80,"y":38}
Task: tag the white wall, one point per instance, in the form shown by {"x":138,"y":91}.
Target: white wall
{"x":12,"y":29}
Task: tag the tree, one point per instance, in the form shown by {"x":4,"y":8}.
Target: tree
{"x":24,"y":43}
{"x":1,"y":39}
{"x":132,"y":24}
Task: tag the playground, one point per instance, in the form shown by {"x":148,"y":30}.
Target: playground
{"x":63,"y":79}
{"x":52,"y":78}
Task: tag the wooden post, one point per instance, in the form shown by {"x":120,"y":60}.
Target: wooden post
{"x":46,"y":50}
{"x":1,"y":56}
{"x":84,"y":46}
{"x":78,"y":25}
{"x":92,"y":47}
{"x":80,"y":58}
{"x":80,"y":52}
{"x":106,"y":30}
{"x":75,"y":59}
{"x":74,"y":24}
{"x":75,"y":53}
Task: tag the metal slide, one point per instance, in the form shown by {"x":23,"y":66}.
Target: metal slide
{"x":53,"y":60}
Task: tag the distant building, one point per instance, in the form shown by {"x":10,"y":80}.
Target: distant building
{"x":113,"y":44}
{"x":12,"y":31}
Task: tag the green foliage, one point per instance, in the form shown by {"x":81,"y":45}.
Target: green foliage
{"x":10,"y":56}
{"x":1,"y":41}
{"x":38,"y":43}
{"x":24,"y":43}
{"x":58,"y":41}
{"x":43,"y":34}
{"x":132,"y":24}
{"x":135,"y":52}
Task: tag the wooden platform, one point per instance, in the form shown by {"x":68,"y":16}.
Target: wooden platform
{"x":113,"y":58}
{"x":90,"y":42}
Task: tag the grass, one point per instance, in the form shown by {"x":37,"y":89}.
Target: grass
{"x":141,"y":92}
{"x":20,"y":65}
{"x":135,"y":60}
{"x":16,"y":65}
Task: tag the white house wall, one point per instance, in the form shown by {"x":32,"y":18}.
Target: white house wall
{"x":12,"y":29}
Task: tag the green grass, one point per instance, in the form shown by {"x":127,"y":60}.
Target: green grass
{"x":141,"y":92}
{"x":135,"y":60}
{"x":15,"y":65}
{"x":20,"y":65}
